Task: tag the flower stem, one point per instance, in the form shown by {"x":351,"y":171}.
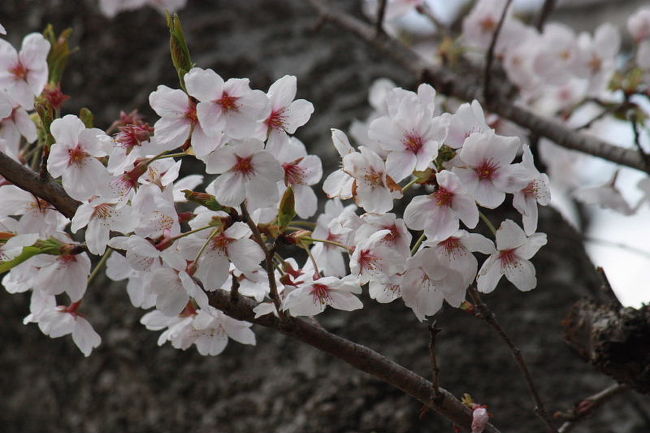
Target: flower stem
{"x":488,"y":223}
{"x":325,"y":241}
{"x":418,"y":243}
{"x":100,"y":264}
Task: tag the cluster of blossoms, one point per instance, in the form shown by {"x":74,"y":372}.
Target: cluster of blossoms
{"x":440,"y":167}
{"x":558,"y":73}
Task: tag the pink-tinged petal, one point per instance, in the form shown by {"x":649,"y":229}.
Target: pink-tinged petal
{"x":300,"y":302}
{"x":489,"y":275}
{"x":33,"y":52}
{"x":267,"y":167}
{"x":140,"y":246}
{"x":384,"y":131}
{"x":510,"y":236}
{"x":532,"y":245}
{"x":245,"y":254}
{"x":373,"y":199}
{"x":344,"y":301}
{"x":338,"y":184}
{"x":521,"y":273}
{"x":220,"y":160}
{"x":211,"y":118}
{"x":211,"y":345}
{"x":312,"y":169}
{"x":95,"y":142}
{"x":465,"y":208}
{"x":283,"y":91}
{"x":15,"y":201}
{"x":86,"y":180}
{"x":261,"y":192}
{"x":213,"y":271}
{"x":238,"y":330}
{"x":229,"y":189}
{"x":400,"y":164}
{"x":204,"y":84}
{"x":478,"y":243}
{"x":170,"y":103}
{"x":487,"y":195}
{"x":25,"y":125}
{"x":204,"y":144}
{"x":97,"y":236}
{"x":297,"y":115}
{"x":238,"y":230}
{"x":172,"y":132}
{"x":306,"y":201}
{"x":341,"y":142}
{"x":419,"y":211}
{"x":84,"y":336}
{"x":66,"y":130}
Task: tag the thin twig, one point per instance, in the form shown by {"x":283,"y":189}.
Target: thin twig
{"x":381,"y":14}
{"x":234,"y":289}
{"x":462,"y":86}
{"x":489,"y":57}
{"x":585,"y":407}
{"x":425,"y":10}
{"x":490,"y":319}
{"x":637,"y":140}
{"x":268,"y":258}
{"x":544,"y":13}
{"x":436,"y":395}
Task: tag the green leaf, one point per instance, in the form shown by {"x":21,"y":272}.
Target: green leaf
{"x":287,"y":210}
{"x":26,"y":254}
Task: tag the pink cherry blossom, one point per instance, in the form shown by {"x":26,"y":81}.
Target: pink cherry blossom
{"x":102,"y":216}
{"x":230,"y":107}
{"x":301,"y":171}
{"x":73,"y":157}
{"x":511,"y":258}
{"x":248,"y":172}
{"x":312,"y":296}
{"x":24,"y":74}
{"x":487,"y":172}
{"x":286,"y":114}
{"x":537,"y":191}
{"x":438,"y":214}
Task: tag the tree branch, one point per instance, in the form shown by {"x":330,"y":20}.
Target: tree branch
{"x":546,"y":10}
{"x":46,"y":189}
{"x":460,"y":85}
{"x":360,"y":357}
{"x":489,"y":57}
{"x":490,"y":319}
{"x":589,"y":404}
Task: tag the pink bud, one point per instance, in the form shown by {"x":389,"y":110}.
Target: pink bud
{"x":480,"y":418}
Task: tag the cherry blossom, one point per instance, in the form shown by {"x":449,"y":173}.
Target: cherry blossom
{"x":511,"y":258}
{"x":487,"y":173}
{"x":229,"y":107}
{"x":24,"y":74}
{"x":537,"y":191}
{"x":102,"y":216}
{"x":438,"y":214}
{"x":247,"y":171}
{"x":301,"y":171}
{"x":312,"y":296}
{"x":287,"y":114}
{"x":73,"y":157}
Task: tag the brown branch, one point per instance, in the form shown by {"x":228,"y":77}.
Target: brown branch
{"x":360,"y":357}
{"x":381,"y":14}
{"x":29,"y":180}
{"x":460,"y":85}
{"x":436,"y":395}
{"x":268,"y":258}
{"x":489,"y":56}
{"x":585,"y":407}
{"x":544,"y":13}
{"x":637,"y":140}
{"x":487,"y":315}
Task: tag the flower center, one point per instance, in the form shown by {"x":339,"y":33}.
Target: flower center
{"x":595,"y":64}
{"x":76,"y":155}
{"x":451,"y":244}
{"x":320,"y":292}
{"x":443,"y":197}
{"x":508,"y":257}
{"x":276,"y":119}
{"x":221,"y":242}
{"x":487,"y":24}
{"x":367,"y":261}
{"x":374,"y":178}
{"x":190,"y":114}
{"x":293,"y":173}
{"x":228,"y":103}
{"x":486,"y":170}
{"x":530,"y":190}
{"x":244,"y":165}
{"x":103,"y":211}
{"x":393,"y":235}
{"x":413,"y":142}
{"x":19,"y":71}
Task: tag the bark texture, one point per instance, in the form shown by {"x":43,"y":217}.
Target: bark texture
{"x":281,"y":385}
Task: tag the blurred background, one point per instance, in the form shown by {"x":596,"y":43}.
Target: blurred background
{"x":131,"y":385}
